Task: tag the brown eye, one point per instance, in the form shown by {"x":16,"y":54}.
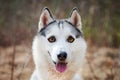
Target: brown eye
{"x":70,"y":39}
{"x":51,"y":39}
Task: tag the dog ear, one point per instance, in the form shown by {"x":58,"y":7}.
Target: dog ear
{"x":45,"y":18}
{"x":75,"y":18}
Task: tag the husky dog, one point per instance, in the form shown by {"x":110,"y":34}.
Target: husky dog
{"x":58,"y":48}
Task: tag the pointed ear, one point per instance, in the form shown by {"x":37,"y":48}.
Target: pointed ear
{"x":75,"y":18}
{"x":45,"y":18}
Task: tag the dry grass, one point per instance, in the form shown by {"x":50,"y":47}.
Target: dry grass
{"x":101,"y":63}
{"x":23,"y":64}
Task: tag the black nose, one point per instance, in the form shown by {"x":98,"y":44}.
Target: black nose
{"x":62,"y":56}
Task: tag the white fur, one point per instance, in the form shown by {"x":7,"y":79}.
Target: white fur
{"x":44,"y":66}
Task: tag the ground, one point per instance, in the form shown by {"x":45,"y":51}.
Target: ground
{"x":102,"y":63}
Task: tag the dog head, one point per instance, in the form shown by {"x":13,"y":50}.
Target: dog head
{"x":60,"y":40}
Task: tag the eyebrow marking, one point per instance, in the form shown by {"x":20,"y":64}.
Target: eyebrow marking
{"x":42,"y":31}
{"x":79,"y":33}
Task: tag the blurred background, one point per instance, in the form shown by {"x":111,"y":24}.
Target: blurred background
{"x":101,"y":19}
{"x":101,"y":27}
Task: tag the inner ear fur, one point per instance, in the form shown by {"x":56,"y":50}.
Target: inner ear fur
{"x":75,"y":18}
{"x":45,"y":18}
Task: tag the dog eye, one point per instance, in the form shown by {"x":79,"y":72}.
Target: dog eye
{"x":70,"y":39}
{"x":51,"y":39}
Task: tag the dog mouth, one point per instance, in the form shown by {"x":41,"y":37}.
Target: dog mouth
{"x":60,"y":66}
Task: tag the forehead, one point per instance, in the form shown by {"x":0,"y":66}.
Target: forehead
{"x":60,"y":27}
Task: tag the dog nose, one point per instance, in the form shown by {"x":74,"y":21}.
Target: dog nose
{"x":62,"y":56}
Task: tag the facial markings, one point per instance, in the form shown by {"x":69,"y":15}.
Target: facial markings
{"x":78,"y":32}
{"x":62,"y":28}
{"x":60,"y":24}
{"x":43,"y":30}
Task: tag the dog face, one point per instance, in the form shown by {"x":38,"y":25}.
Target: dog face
{"x":62,"y":40}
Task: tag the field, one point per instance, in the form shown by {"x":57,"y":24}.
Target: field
{"x":102,"y":63}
